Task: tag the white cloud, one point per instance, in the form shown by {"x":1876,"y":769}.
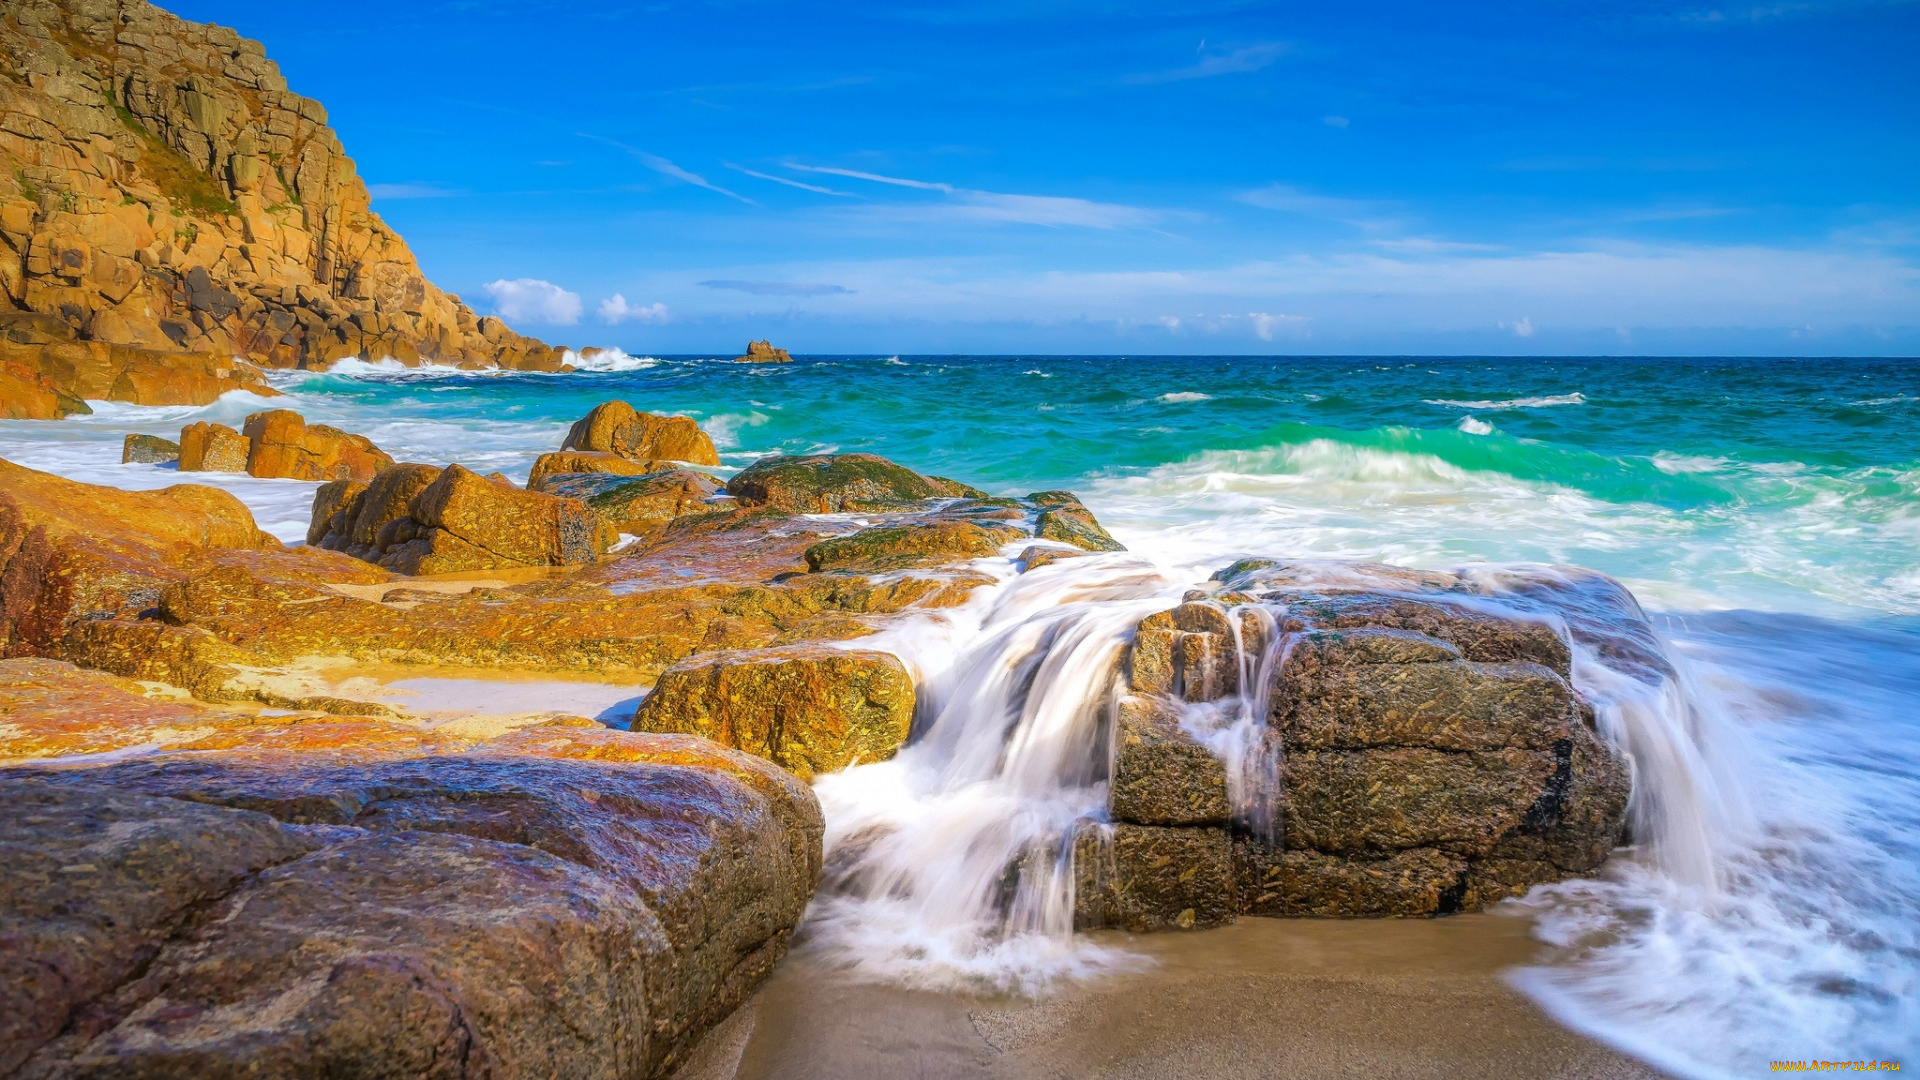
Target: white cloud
{"x":1232,"y":62}
{"x":1171,"y":322}
{"x":1336,"y":121}
{"x":1523,"y":328}
{"x":815,"y":188}
{"x":1360,"y":213}
{"x":1265,"y":324}
{"x":533,"y":300}
{"x":925,"y":185}
{"x":667,"y":168}
{"x":615,"y":310}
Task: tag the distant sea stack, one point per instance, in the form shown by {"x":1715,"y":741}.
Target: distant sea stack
{"x":763,"y":352}
{"x":168,"y":205}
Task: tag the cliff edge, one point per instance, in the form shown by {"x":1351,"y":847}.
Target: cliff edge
{"x":167,"y":203}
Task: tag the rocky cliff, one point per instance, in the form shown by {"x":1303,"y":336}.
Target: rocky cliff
{"x":165,"y":199}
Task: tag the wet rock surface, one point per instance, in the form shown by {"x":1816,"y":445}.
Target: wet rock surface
{"x":556,"y":900}
{"x":281,"y":444}
{"x":1417,"y":747}
{"x":617,"y":428}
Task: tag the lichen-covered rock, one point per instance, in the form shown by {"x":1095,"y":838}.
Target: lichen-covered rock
{"x":763,"y":352}
{"x":280,"y":443}
{"x":463,"y":521}
{"x":1161,"y":776}
{"x":895,"y":547}
{"x":808,"y":708}
{"x":831,"y":484}
{"x":570,"y":462}
{"x":148,"y":450}
{"x":639,"y":505}
{"x":557,"y":902}
{"x":1289,"y":884}
{"x":349,"y":515}
{"x":1064,"y":518}
{"x":27,"y":394}
{"x":1146,"y":877}
{"x":615,"y":427}
{"x":210,"y":447}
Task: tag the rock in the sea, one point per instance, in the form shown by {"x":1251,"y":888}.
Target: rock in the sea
{"x":28,"y":394}
{"x":1064,"y":518}
{"x":808,"y":708}
{"x":210,"y":447}
{"x":1423,"y":751}
{"x":569,"y":462}
{"x":615,"y":427}
{"x":831,"y":484}
{"x":282,"y":444}
{"x":556,"y":902}
{"x":639,"y":505}
{"x":895,"y":547}
{"x":763,"y":352}
{"x":148,"y":450}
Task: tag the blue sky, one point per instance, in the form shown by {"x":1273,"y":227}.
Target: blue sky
{"x":1177,"y":177}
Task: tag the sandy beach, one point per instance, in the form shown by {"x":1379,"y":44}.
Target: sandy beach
{"x":1265,"y":998}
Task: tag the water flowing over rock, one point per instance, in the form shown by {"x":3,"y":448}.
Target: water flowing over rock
{"x":167,"y":204}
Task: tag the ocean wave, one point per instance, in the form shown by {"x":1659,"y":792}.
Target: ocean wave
{"x":609,"y":360}
{"x":1474,"y":426}
{"x":1183,"y":396}
{"x":232,"y":404}
{"x":1575,"y":398}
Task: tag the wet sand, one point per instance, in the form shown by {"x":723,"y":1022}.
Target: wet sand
{"x":1266,"y":998}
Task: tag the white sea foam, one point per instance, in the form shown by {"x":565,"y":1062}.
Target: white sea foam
{"x":610,"y":360}
{"x":1513,"y":403}
{"x":1473,"y":425}
{"x":1183,"y":396}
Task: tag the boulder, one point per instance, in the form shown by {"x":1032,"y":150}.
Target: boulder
{"x":463,"y":521}
{"x":896,"y":547}
{"x":639,"y":505}
{"x":349,"y":515}
{"x":809,"y":709}
{"x":209,"y":447}
{"x":568,"y":462}
{"x":615,"y":427}
{"x":763,"y":352}
{"x":282,"y":444}
{"x":1161,"y":776}
{"x":27,"y":394}
{"x":1065,"y":519}
{"x":831,"y":484}
{"x":1290,"y":884}
{"x":1145,"y":877}
{"x":148,"y":450}
{"x":558,"y":901}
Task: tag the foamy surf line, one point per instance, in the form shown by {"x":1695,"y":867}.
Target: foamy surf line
{"x":1512,"y":403}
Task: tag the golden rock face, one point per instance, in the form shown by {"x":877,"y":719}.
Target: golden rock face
{"x":282,"y":444}
{"x":167,"y":204}
{"x":617,"y":428}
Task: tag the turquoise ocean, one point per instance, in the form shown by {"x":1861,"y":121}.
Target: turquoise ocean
{"x":1766,"y":512}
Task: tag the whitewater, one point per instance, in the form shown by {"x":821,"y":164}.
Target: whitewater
{"x":1766,"y":513}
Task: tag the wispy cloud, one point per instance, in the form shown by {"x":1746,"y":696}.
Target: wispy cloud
{"x":1734,"y":14}
{"x":1360,"y":213}
{"x":667,"y":168}
{"x":533,"y":300}
{"x":411,"y":191}
{"x":1230,"y":62}
{"x":1427,"y":245}
{"x":777,"y":288}
{"x":816,"y":188}
{"x":924,"y":185}
{"x":1003,"y":207}
{"x":615,"y":310}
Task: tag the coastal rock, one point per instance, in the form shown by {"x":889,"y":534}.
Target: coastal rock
{"x":350,"y":516}
{"x":148,"y":450}
{"x":1423,"y":751}
{"x":555,"y":902}
{"x":809,"y":709}
{"x":210,"y":447}
{"x":463,"y":521}
{"x":640,"y":505}
{"x":168,"y":205}
{"x":615,"y":427}
{"x":1161,"y":776}
{"x":894,"y":547}
{"x":763,"y":352}
{"x":1065,"y":519}
{"x":282,"y":444}
{"x":830,"y":484}
{"x":1145,"y":877}
{"x":569,"y":462}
